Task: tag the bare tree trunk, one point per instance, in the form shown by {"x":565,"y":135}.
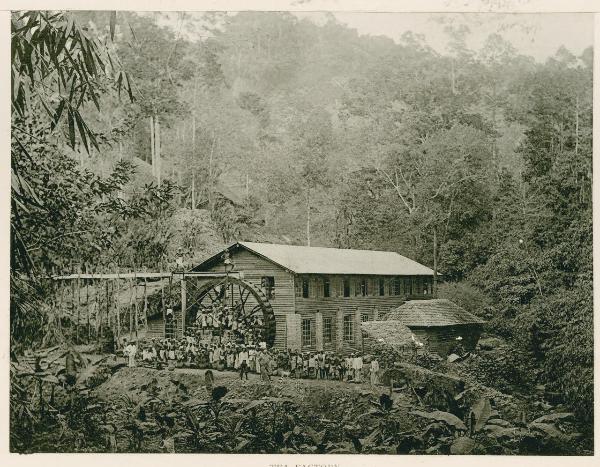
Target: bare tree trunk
{"x":157,"y":150}
{"x":152,"y":162}
{"x":107,"y":305}
{"x":576,"y":124}
{"x":210,"y":173}
{"x":308,"y":217}
{"x":179,"y":197}
{"x":193,"y":190}
{"x":453,"y":78}
{"x":435,"y":265}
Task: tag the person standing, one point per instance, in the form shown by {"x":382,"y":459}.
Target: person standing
{"x":264,"y":367}
{"x":348,"y":367}
{"x":374,"y":372}
{"x":358,"y":366}
{"x":323,"y":362}
{"x":244,"y":356}
{"x":299,"y":365}
{"x":171,"y":348}
{"x":244,"y":370}
{"x":317,"y":365}
{"x":131,"y":354}
{"x":312,"y":365}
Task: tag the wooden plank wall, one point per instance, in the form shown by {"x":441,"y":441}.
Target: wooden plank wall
{"x":374,"y":306}
{"x":442,"y":339}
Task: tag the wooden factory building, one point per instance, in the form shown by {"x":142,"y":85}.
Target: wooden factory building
{"x":320,"y":296}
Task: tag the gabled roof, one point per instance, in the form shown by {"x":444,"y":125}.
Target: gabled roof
{"x":430,"y":313}
{"x":317,"y":260}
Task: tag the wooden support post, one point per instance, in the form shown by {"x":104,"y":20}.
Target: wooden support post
{"x":183,"y":303}
{"x":96,"y":310}
{"x":146,"y":302}
{"x":135,"y":307}
{"x":118,"y":311}
{"x":132,"y":297}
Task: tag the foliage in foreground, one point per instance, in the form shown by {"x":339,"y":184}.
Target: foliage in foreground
{"x":170,"y":413}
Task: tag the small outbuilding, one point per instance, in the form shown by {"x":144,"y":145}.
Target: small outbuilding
{"x":439,"y":324}
{"x":390,"y":334}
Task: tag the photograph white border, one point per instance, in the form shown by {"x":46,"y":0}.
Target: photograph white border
{"x":288,"y":460}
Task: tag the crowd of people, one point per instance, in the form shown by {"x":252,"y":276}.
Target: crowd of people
{"x":192,"y":352}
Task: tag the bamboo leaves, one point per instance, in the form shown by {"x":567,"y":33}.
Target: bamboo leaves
{"x":57,"y":65}
{"x":112,"y":23}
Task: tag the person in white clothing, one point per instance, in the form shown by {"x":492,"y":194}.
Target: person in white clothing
{"x":374,"y":372}
{"x":348,"y":363}
{"x":130,"y":351}
{"x":357,"y":365}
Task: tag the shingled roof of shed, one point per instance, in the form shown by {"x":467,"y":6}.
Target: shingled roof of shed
{"x":430,"y":313}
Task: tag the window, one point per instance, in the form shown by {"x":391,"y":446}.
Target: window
{"x":362,"y":287}
{"x":306,"y":332}
{"x":318,"y":287}
{"x":381,"y":287}
{"x":419,"y":285}
{"x":326,"y":287}
{"x":348,"y":328}
{"x":396,"y":286}
{"x":305,"y":288}
{"x":364,"y":317}
{"x":268,"y":286}
{"x":408,"y":286}
{"x":346,"y":288}
{"x":327,"y":331}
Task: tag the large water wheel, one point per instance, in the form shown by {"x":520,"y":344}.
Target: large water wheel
{"x":232,"y":305}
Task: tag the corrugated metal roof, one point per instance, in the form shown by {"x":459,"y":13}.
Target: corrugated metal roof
{"x":429,"y":313}
{"x":317,"y":260}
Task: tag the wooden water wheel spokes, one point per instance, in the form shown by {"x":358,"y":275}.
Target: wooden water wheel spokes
{"x":230,"y":300}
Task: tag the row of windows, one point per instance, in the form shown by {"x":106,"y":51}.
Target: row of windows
{"x":308,"y":333}
{"x":320,"y":287}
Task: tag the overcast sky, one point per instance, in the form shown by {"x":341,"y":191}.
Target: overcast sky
{"x":538,"y":35}
{"x":535,"y":34}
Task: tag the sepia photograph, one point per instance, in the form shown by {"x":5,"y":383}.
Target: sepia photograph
{"x":301,"y":232}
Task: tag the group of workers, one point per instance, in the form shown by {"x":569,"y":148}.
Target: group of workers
{"x":191,"y":352}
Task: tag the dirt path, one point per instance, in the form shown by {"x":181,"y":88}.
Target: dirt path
{"x":135,"y":381}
